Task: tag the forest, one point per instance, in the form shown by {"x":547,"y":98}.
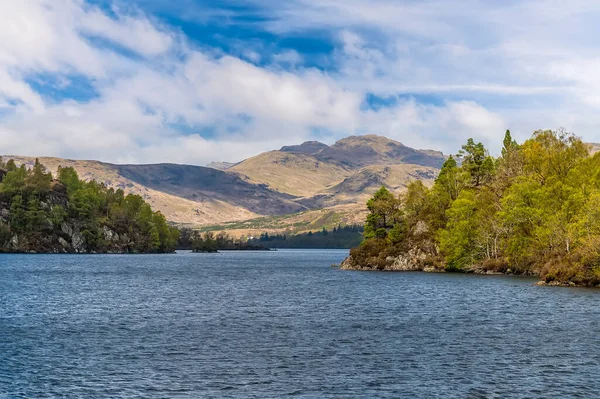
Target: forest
{"x":209,"y":242}
{"x":533,"y":210}
{"x":340,"y":237}
{"x":42,"y":214}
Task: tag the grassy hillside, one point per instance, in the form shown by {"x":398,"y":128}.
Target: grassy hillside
{"x":296,"y":174}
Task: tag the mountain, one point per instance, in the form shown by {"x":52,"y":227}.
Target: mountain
{"x":297,"y":188}
{"x":310,"y":168}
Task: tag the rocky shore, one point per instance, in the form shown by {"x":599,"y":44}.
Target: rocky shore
{"x":416,"y":261}
{"x":412,"y":261}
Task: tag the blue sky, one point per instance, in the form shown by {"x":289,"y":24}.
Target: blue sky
{"x":194,"y":81}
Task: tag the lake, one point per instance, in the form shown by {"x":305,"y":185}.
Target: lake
{"x":285,"y":324}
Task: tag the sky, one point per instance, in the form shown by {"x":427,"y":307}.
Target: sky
{"x":195,"y":81}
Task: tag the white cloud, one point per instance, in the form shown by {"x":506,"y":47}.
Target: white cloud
{"x":291,"y":57}
{"x":488,"y":65}
{"x":141,"y":103}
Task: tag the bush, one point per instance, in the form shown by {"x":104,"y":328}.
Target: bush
{"x":372,"y":253}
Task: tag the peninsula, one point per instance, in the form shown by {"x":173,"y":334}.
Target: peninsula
{"x":534,"y":210}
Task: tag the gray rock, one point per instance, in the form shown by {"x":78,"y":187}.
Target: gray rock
{"x":77,"y":242}
{"x":63,"y":243}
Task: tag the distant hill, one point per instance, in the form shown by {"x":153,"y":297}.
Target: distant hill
{"x":297,"y":188}
{"x":220,"y":165}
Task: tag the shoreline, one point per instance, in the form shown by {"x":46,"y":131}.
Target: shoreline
{"x":408,"y":267}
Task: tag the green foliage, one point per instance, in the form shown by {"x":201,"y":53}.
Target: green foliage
{"x":534,"y":210}
{"x":15,"y":180}
{"x":476,"y":162}
{"x":5,"y":235}
{"x":338,"y":237}
{"x":38,"y":179}
{"x":92,"y":218}
{"x":384,"y":213}
{"x":11,"y":166}
{"x":206,"y":243}
{"x":70,"y":178}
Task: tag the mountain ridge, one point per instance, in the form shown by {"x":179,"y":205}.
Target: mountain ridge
{"x":298,"y":186}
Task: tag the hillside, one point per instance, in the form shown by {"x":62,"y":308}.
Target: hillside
{"x":184,"y":194}
{"x":292,"y":173}
{"x":296,"y":188}
{"x":359,"y":186}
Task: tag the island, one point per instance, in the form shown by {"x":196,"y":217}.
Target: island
{"x":209,"y":242}
{"x":42,"y":214}
{"x":534,"y":210}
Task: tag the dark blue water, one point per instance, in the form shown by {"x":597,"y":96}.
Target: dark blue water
{"x":279,"y":324}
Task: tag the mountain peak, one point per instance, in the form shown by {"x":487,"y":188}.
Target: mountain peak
{"x":308,"y":147}
{"x":372,"y":140}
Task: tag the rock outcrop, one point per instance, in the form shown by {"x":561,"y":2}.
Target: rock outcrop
{"x":411,"y":261}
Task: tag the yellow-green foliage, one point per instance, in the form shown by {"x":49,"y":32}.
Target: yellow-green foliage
{"x":535,"y":209}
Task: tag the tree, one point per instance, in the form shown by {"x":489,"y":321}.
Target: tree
{"x":14,"y":181}
{"x":384,"y":213}
{"x":476,"y":162}
{"x":70,"y":178}
{"x":17,"y":219}
{"x":40,"y":214}
{"x":5,"y":235}
{"x":533,"y":210}
{"x":35,"y":217}
{"x":446,"y":189}
{"x":206,"y":243}
{"x":552,"y":154}
{"x":510,"y":164}
{"x":11,"y":166}
{"x":38,"y":180}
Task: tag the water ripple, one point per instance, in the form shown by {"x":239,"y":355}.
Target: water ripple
{"x":285,"y":324}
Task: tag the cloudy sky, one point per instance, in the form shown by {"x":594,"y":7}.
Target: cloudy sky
{"x":194,"y":81}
